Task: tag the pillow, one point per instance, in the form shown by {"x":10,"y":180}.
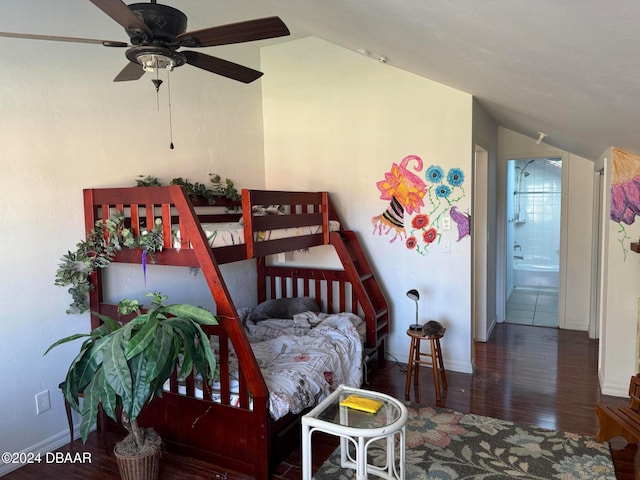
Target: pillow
{"x":243,"y":313}
{"x":283,"y":308}
{"x":262,"y":210}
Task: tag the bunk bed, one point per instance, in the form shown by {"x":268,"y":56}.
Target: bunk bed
{"x":236,"y":430}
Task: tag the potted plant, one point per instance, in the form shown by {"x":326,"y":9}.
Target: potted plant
{"x":123,"y":366}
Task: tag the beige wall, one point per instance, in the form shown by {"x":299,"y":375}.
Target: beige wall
{"x":336,"y":120}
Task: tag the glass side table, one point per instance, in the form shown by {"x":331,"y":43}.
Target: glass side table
{"x":359,"y":430}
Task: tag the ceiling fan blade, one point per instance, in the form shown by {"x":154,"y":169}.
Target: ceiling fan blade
{"x":132,"y":71}
{"x":248,"y":31}
{"x":30,"y":36}
{"x":222,"y":67}
{"x":122,"y":14}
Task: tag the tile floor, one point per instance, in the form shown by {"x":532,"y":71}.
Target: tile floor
{"x":533,"y":307}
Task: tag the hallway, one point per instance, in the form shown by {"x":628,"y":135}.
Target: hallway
{"x":532,"y":307}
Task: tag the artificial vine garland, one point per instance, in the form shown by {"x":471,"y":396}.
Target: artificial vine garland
{"x":102,"y":244}
{"x":218,"y":189}
{"x":110,"y":236}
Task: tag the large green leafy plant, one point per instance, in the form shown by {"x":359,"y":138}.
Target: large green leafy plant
{"x":123,"y":367}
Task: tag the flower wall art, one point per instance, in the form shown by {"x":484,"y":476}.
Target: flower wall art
{"x":625,"y":192}
{"x":625,"y":187}
{"x":418,"y":200}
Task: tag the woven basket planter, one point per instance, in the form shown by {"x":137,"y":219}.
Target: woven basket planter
{"x":139,"y":467}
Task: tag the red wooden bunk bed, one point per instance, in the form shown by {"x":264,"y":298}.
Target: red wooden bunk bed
{"x":242,"y":437}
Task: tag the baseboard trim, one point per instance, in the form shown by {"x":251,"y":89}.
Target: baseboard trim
{"x":45,"y":446}
{"x":580,"y":327}
{"x":614,"y":389}
{"x":450,"y":364}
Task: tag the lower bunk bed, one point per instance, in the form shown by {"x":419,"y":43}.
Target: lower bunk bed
{"x":300,"y":359}
{"x":244,"y":422}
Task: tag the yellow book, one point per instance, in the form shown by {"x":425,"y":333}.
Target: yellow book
{"x":357,"y":402}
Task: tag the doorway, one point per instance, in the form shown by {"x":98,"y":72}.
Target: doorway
{"x":480,"y":327}
{"x":534,"y":198}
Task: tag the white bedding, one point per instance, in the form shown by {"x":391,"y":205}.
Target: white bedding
{"x":232,"y":233}
{"x":302,"y":367}
{"x":303,"y":360}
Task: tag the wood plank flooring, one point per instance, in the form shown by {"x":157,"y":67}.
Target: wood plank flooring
{"x":530,"y":375}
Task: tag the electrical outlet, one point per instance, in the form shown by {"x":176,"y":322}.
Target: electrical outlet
{"x":43,"y":403}
{"x":446,"y":223}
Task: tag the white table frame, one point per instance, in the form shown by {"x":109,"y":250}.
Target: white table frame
{"x":361,"y":438}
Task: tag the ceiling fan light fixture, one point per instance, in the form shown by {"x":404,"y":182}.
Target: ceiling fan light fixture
{"x":151,"y":62}
{"x":152,"y":58}
{"x":156,"y":32}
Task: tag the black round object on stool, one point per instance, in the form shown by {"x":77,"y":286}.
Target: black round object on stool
{"x":433,"y":329}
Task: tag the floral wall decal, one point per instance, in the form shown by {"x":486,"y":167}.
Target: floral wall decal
{"x":407,"y":193}
{"x":625,"y":187}
{"x":405,"y":190}
{"x":625,"y":192}
{"x":462,"y":222}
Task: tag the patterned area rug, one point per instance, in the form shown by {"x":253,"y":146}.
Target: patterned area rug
{"x":447,"y":445}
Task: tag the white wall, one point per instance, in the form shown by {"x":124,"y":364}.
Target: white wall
{"x":578,"y":220}
{"x":66,"y":126}
{"x":336,"y":120}
{"x":619,"y":305}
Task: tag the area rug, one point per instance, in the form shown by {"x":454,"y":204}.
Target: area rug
{"x":446,"y":445}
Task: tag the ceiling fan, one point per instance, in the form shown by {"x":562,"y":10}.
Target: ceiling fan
{"x":157,"y":32}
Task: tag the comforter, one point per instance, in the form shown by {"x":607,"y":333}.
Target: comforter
{"x":305,"y":358}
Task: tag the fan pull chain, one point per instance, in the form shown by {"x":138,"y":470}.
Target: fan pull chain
{"x":170,"y":122}
{"x":157,"y":82}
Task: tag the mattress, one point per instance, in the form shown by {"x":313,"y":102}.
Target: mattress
{"x":232,"y":233}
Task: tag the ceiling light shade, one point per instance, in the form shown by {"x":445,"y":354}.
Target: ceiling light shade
{"x":414,"y":295}
{"x":152,"y":57}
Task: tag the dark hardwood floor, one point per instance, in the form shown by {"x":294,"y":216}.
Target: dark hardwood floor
{"x":530,"y":375}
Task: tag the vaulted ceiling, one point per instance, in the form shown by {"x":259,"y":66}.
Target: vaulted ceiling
{"x":568,"y":69}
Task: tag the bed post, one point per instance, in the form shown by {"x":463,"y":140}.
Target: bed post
{"x":95,"y":295}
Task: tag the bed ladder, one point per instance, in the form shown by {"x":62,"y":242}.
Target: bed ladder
{"x":366,"y":288}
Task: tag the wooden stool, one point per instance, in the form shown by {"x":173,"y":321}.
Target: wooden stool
{"x":433,"y":359}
